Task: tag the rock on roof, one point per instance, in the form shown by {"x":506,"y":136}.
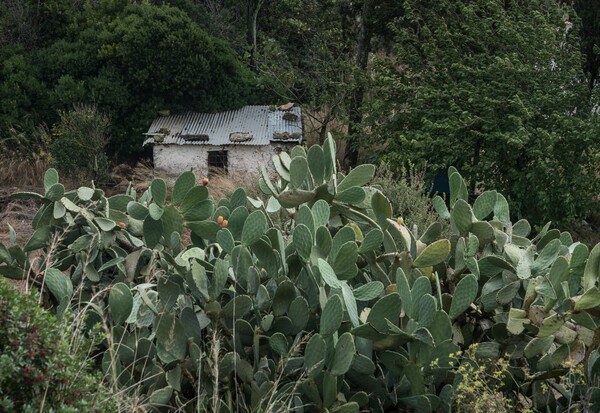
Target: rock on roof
{"x":250,"y":125}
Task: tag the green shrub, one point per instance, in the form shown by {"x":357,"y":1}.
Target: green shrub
{"x":42,"y":367}
{"x":408,"y":194}
{"x":78,"y":144}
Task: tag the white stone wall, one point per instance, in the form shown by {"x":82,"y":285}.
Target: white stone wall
{"x":242,"y":159}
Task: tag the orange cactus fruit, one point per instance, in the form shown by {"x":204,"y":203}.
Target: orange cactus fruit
{"x":224,"y":223}
{"x":205,"y":181}
{"x":220,"y":219}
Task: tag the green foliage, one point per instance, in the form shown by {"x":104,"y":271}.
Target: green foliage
{"x":40,"y":367}
{"x":408,"y":193}
{"x":589,"y":13}
{"x":78,"y":144}
{"x":22,"y":98}
{"x":341,"y":308}
{"x":129,"y":60}
{"x":143,"y":43}
{"x":497,"y":90}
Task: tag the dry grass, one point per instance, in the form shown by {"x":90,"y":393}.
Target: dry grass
{"x":23,"y":173}
{"x":19,"y":215}
{"x":19,"y":175}
{"x":220,"y":185}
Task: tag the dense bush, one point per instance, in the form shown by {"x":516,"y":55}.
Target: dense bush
{"x":78,"y":144}
{"x":129,"y":60}
{"x":341,"y":308}
{"x":42,"y":366}
{"x":408,"y":193}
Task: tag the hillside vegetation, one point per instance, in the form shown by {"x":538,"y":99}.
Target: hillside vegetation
{"x":504,"y":91}
{"x":340,"y":285}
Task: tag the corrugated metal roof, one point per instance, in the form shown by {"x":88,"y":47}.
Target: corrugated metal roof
{"x":261,"y":122}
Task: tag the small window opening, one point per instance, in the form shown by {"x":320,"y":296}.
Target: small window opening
{"x":217,"y":162}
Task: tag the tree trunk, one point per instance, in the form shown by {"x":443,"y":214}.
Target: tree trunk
{"x":363,"y":49}
{"x":589,"y":13}
{"x":251,"y":21}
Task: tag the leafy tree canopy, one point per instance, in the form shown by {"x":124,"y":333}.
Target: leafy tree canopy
{"x":495,"y":88}
{"x":131,"y":60}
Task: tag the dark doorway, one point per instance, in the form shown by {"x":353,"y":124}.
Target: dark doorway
{"x":217,"y":161}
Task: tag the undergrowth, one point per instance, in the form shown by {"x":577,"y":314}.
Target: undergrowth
{"x":408,"y":192}
{"x":45,"y":364}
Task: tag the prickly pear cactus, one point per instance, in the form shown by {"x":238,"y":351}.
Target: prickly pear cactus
{"x":339,"y":308}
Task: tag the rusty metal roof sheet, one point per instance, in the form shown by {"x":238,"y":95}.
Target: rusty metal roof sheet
{"x":250,"y":125}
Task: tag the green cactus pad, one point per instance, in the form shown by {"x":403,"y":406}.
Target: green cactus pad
{"x":119,"y":202}
{"x":363,"y":364}
{"x":254,"y":227}
{"x":279,"y":344}
{"x":427,"y":310}
{"x":590,"y":299}
{"x":404,"y":291}
{"x":354,"y":195}
{"x":299,"y":313}
{"x":462,"y":217}
{"x":120,"y":302}
{"x":137,"y":210}
{"x":591,"y":273}
{"x":388,"y":307}
{"x":238,"y":198}
{"x":357,"y":177}
{"x":158,"y":189}
{"x":60,"y":286}
{"x":302,"y":241}
{"x":152,"y":231}
{"x":328,"y":275}
{"x":193,"y":197}
{"x":372,"y":241}
{"x":284,"y":295}
{"x":433,"y":254}
{"x":55,"y":192}
{"x":464,"y":294}
{"x":171,"y":339}
{"x":316,"y":163}
{"x":183,"y":184}
{"x":50,"y":178}
{"x":85,"y":193}
{"x":483,"y":206}
{"x":343,"y":355}
{"x":331,"y":317}
{"x":314,"y":355}
{"x":283,"y":172}
{"x":298,"y":171}
{"x":369,"y":291}
{"x":382,"y":209}
{"x":235,"y":309}
{"x":161,"y":397}
{"x":501,"y":210}
{"x":521,"y":228}
{"x":329,"y":151}
{"x":350,"y":303}
{"x":440,"y":207}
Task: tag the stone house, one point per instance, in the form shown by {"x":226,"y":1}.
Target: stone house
{"x":232,"y":142}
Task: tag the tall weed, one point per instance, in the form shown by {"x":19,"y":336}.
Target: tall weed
{"x":408,"y":191}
